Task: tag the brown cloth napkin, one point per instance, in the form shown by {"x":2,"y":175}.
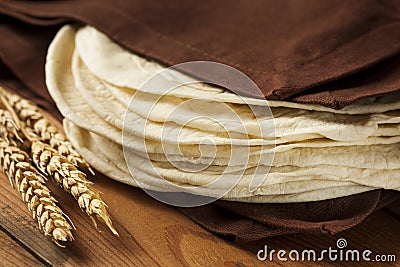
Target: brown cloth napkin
{"x":330,"y":53}
{"x":294,"y":50}
{"x":247,"y":222}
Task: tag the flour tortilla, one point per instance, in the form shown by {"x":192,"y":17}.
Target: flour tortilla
{"x":98,"y":160}
{"x":290,"y":124}
{"x":380,"y":157}
{"x":61,"y":86}
{"x":369,"y":105}
{"x":111,"y":111}
{"x":295,"y":125}
{"x":90,"y":151}
{"x":356,"y":156}
{"x":277,"y":175}
{"x":315,"y":195}
{"x":113,"y":64}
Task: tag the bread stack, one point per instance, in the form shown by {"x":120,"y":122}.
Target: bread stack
{"x":204,"y":140}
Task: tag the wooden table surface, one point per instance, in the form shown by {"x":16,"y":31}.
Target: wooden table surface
{"x":154,"y":234}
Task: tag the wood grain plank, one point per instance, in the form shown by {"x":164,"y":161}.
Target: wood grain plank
{"x":90,"y":247}
{"x":144,"y":226}
{"x":161,"y":229}
{"x":394,"y":209}
{"x":154,"y":234}
{"x":12,"y":254}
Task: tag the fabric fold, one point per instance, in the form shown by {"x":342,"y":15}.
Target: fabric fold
{"x":318,"y":43}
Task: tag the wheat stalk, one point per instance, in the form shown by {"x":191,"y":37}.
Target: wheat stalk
{"x":51,"y":162}
{"x":31,"y":185}
{"x":38,"y":125}
{"x":72,"y":180}
{"x":54,"y":155}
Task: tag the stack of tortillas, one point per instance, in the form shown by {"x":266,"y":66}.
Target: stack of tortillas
{"x":311,"y":153}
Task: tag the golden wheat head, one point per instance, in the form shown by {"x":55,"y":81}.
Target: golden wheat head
{"x":73,"y":181}
{"x":31,"y":185}
{"x":37,"y":125}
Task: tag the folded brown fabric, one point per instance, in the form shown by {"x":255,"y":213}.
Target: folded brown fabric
{"x":300,"y":51}
{"x":247,"y":222}
{"x":286,"y":47}
{"x":378,"y":80}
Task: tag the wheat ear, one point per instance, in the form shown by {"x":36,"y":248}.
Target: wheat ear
{"x":9,"y":130}
{"x":31,"y":185}
{"x":72,"y":180}
{"x":51,"y":162}
{"x":48,"y":133}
